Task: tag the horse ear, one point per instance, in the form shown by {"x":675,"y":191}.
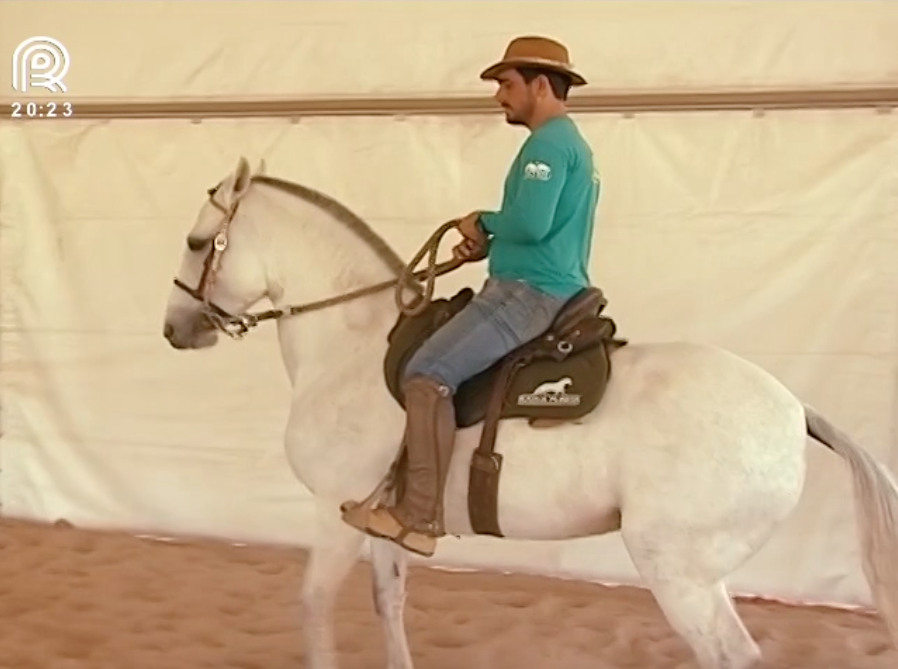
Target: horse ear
{"x":241,"y":177}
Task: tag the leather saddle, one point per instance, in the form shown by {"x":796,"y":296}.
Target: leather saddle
{"x":572,"y":354}
{"x":558,"y":377}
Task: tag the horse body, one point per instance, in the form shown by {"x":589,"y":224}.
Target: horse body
{"x":695,"y":455}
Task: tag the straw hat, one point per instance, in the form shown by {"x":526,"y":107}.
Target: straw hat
{"x":535,"y":52}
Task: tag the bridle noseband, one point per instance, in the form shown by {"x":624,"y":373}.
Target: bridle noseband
{"x":236,"y":326}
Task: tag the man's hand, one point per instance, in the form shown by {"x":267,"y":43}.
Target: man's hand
{"x":470,"y":251}
{"x":475,"y":244}
{"x":469,"y":226}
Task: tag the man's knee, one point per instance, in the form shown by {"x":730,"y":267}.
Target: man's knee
{"x":461,"y":348}
{"x":423,"y":365}
{"x":431,"y":375}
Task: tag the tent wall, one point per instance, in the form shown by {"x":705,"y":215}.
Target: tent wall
{"x":270,"y":48}
{"x":773,"y":235}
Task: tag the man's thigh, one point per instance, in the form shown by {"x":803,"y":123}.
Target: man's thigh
{"x":499,"y":319}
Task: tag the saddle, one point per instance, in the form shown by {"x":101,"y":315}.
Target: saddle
{"x":558,"y":377}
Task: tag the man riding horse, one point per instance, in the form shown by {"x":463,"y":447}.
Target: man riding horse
{"x":538,"y":245}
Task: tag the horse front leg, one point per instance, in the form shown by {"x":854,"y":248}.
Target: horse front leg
{"x":331,"y":559}
{"x":390,"y":565}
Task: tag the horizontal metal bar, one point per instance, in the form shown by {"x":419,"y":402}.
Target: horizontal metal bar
{"x":884,"y":98}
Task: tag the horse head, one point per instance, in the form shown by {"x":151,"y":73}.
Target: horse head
{"x":221,"y":272}
{"x":311,"y":249}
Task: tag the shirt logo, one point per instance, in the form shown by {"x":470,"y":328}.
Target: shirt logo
{"x":537,"y":170}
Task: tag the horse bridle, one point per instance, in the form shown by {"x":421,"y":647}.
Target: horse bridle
{"x":236,"y":326}
{"x":232,"y":325}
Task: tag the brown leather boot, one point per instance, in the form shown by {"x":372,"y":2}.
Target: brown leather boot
{"x":417,"y":521}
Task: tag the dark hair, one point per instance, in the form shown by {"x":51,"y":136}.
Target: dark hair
{"x":560,"y":83}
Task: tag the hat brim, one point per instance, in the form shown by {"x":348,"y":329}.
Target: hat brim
{"x":493,"y":71}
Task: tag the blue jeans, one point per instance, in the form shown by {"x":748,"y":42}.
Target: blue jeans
{"x":502,"y":317}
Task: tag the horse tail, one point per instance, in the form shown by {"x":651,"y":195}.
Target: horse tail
{"x":876,"y":505}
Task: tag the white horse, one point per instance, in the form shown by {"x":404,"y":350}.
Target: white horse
{"x":695,"y":456}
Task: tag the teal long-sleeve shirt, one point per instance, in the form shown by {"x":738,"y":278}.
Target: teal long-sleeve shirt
{"x":543,"y":233}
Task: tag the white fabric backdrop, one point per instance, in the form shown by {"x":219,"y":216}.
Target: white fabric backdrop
{"x":267,"y":48}
{"x":774,"y":236}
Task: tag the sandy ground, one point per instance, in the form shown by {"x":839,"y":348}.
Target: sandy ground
{"x":73,"y":599}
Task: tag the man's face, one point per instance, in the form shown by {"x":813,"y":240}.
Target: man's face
{"x":517,"y":97}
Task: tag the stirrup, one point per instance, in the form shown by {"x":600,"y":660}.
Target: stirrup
{"x":377,"y":495}
{"x":406,"y":537}
{"x":367,"y":504}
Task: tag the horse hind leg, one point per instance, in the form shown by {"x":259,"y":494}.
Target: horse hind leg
{"x":694,"y":600}
{"x":704,"y":616}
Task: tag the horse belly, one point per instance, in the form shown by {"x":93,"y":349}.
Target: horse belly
{"x":553,"y":485}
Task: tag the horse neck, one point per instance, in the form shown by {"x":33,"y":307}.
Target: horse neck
{"x":320,"y":258}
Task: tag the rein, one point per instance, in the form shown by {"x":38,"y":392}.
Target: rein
{"x":236,"y":326}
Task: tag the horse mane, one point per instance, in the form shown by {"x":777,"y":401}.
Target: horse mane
{"x":340,"y":212}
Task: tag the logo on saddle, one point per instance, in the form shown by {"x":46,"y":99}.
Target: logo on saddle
{"x":551,"y":392}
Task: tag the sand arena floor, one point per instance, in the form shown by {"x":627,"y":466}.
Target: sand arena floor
{"x":76,"y":599}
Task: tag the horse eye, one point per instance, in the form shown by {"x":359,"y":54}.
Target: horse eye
{"x":196,"y":244}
